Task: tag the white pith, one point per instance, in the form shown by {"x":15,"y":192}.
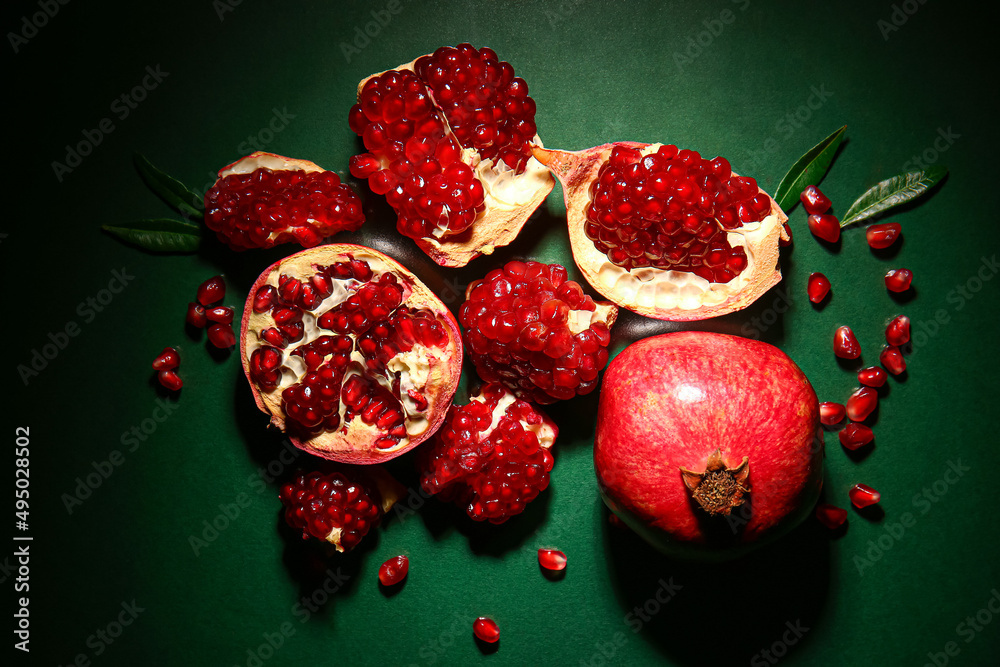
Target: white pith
{"x":581,"y":320}
{"x":543,"y":430}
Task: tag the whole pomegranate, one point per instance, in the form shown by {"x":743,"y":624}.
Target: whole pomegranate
{"x":349,"y":353}
{"x":707,"y":444}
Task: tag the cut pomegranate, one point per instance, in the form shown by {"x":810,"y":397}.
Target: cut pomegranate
{"x":170,"y":380}
{"x":898,"y":280}
{"x":830,"y":516}
{"x":897,"y":332}
{"x":855,"y":435}
{"x":168,"y":359}
{"x":831,"y":414}
{"x":486,"y":629}
{"x":884,"y":235}
{"x":394,"y":570}
{"x":666,"y":233}
{"x":212,"y":291}
{"x":873,"y":376}
{"x":825,"y":227}
{"x":845,"y":343}
{"x":265,"y":199}
{"x":861,"y":403}
{"x":892,"y":359}
{"x":221,"y":335}
{"x":814,"y":201}
{"x":863,"y":495}
{"x":353,"y":357}
{"x":196,"y":315}
{"x":551,"y":559}
{"x":818,"y":287}
{"x":448,"y":145}
{"x":491,"y":457}
{"x":530,"y":328}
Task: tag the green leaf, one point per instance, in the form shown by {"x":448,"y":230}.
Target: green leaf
{"x":808,"y":170}
{"x":176,"y":194}
{"x":159,"y":235}
{"x":892,"y":192}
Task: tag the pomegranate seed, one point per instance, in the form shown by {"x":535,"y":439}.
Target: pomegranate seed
{"x":265,"y":298}
{"x":818,"y":288}
{"x":221,"y":335}
{"x":884,"y":235}
{"x":873,"y":376}
{"x":170,"y":380}
{"x":394,"y":570}
{"x":863,"y":495}
{"x":551,"y":559}
{"x":898,"y":331}
{"x":861,"y":404}
{"x":317,"y":504}
{"x":898,"y":280}
{"x":892,"y":359}
{"x":486,"y":630}
{"x":855,"y":435}
{"x":196,"y":315}
{"x":220,"y":314}
{"x":782,"y":242}
{"x":212,"y":291}
{"x":830,"y":516}
{"x":831,"y":414}
{"x":845,"y":344}
{"x":167,"y":360}
{"x":826,"y":227}
{"x":814,"y":201}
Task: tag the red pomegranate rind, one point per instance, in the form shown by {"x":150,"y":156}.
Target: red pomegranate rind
{"x":659,"y":292}
{"x":265,"y":199}
{"x":349,"y":353}
{"x":491,"y":457}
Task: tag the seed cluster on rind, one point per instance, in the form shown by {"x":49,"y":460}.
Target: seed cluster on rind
{"x":319,"y":504}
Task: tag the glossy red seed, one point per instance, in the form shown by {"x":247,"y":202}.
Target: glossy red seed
{"x":196,"y":315}
{"x":814,"y":201}
{"x":897,"y":332}
{"x":892,"y":359}
{"x":221,"y":335}
{"x":781,"y":241}
{"x":212,"y":291}
{"x":873,"y":376}
{"x":169,"y":358}
{"x":265,"y":298}
{"x":831,"y":414}
{"x":830,"y":516}
{"x":818,"y":287}
{"x":845,"y":343}
{"x":220,"y":314}
{"x":826,"y":227}
{"x":863,"y":495}
{"x":170,"y":380}
{"x":861,"y":403}
{"x":318,"y":503}
{"x":552,"y":559}
{"x":394,"y":570}
{"x":854,"y":436}
{"x":884,"y":235}
{"x":898,"y":280}
{"x":486,"y":630}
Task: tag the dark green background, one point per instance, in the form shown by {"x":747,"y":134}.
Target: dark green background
{"x":599,"y":71}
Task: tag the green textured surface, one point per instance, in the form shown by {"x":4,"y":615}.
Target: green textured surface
{"x":599,"y":72}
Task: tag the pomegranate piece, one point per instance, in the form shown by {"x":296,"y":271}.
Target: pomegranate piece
{"x":845,"y":343}
{"x":491,"y":457}
{"x":892,"y":359}
{"x":825,"y":227}
{"x":221,"y":335}
{"x":170,"y":380}
{"x":863,"y":496}
{"x":196,"y":315}
{"x":831,"y":414}
{"x":898,"y":280}
{"x":394,"y":570}
{"x":884,"y":235}
{"x":353,"y":357}
{"x":861,"y":403}
{"x":529,"y":328}
{"x":168,"y":359}
{"x":855,"y":435}
{"x":212,"y":291}
{"x":897,"y":332}
{"x":264,"y":199}
{"x":786,"y":238}
{"x":486,"y":629}
{"x":818,"y":287}
{"x":551,"y":559}
{"x":830,"y":516}
{"x":814,"y":201}
{"x":651,"y":226}
{"x":873,"y":376}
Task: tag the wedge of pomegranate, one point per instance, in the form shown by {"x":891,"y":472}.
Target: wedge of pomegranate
{"x":349,"y":353}
{"x":448,"y":138}
{"x":265,"y":199}
{"x":665,"y":232}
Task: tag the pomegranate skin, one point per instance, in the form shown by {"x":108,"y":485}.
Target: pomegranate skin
{"x":669,"y":402}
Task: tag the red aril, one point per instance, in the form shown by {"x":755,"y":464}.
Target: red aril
{"x":897,"y":332}
{"x":394,"y":570}
{"x":825,"y":227}
{"x":830,"y":516}
{"x":552,"y":559}
{"x":892,"y":359}
{"x":873,"y":376}
{"x":861,"y":403}
{"x":220,"y":314}
{"x":884,"y":235}
{"x":898,"y":280}
{"x":221,"y":335}
{"x":196,"y":315}
{"x":212,"y":291}
{"x":863,"y":496}
{"x":854,"y":436}
{"x":845,"y":343}
{"x":486,"y":629}
{"x":354,"y":358}
{"x":667,"y":233}
{"x":818,"y":287}
{"x":786,"y":238}
{"x":168,"y":359}
{"x":170,"y":380}
{"x":831,"y":414}
{"x":814,"y":201}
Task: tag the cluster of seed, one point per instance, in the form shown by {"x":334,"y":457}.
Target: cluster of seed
{"x":317,"y":503}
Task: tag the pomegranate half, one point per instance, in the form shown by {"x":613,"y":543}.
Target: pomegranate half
{"x":349,"y":353}
{"x":666,"y":233}
{"x":707,"y":444}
